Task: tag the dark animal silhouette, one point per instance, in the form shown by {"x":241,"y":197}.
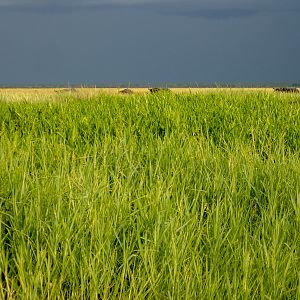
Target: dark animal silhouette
{"x":286,"y":90}
{"x":156,"y":90}
{"x":126,"y":91}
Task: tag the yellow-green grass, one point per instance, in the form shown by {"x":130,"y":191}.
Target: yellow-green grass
{"x":35,"y":94}
{"x":163,"y":196}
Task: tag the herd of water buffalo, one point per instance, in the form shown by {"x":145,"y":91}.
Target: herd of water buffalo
{"x":156,"y":90}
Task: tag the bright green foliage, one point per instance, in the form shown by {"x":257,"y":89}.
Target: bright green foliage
{"x":151,"y":197}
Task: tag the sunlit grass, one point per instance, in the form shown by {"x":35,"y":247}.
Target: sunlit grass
{"x":52,"y":94}
{"x":160,"y":196}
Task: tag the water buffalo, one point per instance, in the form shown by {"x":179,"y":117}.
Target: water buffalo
{"x":156,"y":90}
{"x":286,"y":90}
{"x":126,"y":91}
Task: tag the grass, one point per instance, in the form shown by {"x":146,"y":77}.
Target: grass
{"x":49,"y":94}
{"x":167,"y":196}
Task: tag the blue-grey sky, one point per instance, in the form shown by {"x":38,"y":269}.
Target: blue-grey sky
{"x":149,"y":42}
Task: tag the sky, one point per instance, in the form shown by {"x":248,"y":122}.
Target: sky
{"x":149,"y":42}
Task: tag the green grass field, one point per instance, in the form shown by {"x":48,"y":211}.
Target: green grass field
{"x":165,"y":196}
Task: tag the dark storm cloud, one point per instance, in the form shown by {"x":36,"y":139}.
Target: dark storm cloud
{"x":208,"y":10}
{"x":58,"y":8}
{"x":143,"y":42}
{"x":218,"y":14}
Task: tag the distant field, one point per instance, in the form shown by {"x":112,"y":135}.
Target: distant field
{"x":164,"y":196}
{"x":33,"y":94}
